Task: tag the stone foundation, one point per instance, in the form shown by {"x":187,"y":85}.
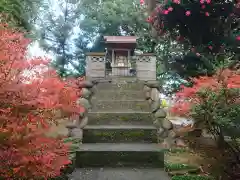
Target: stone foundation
{"x":166,"y":132}
{"x":75,"y":129}
{"x":121,"y":71}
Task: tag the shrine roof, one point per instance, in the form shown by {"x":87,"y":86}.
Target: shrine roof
{"x":120,"y":39}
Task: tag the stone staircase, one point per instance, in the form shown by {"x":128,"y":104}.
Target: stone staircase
{"x":120,"y":141}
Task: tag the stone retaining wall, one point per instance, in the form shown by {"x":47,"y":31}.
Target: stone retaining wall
{"x":75,"y":129}
{"x":166,"y":132}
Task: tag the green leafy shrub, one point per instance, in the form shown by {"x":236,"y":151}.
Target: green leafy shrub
{"x":177,"y":166}
{"x":191,"y":177}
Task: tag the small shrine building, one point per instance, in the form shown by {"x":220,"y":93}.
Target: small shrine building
{"x":119,"y":60}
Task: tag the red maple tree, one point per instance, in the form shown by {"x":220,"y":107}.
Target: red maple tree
{"x":30,"y":93}
{"x":214,"y":104}
{"x":188,"y":97}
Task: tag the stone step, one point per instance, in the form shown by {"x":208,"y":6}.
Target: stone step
{"x":119,"y":134}
{"x":123,"y":105}
{"x":120,"y":86}
{"x":119,"y":155}
{"x":118,"y":95}
{"x":125,"y":80}
{"x":120,"y":118}
{"x":119,"y":174}
{"x":116,"y":79}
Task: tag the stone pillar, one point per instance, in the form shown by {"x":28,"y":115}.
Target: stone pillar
{"x":75,"y":129}
{"x":95,"y":65}
{"x":146,"y":67}
{"x":165,"y":133}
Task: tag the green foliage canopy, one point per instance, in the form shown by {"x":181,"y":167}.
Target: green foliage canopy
{"x":20,"y":13}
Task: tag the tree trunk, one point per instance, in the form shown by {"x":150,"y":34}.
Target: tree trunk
{"x":151,"y":4}
{"x":220,"y":139}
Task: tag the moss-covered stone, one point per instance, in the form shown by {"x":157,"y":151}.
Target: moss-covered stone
{"x":84,"y":102}
{"x":155,"y":106}
{"x":155,"y":94}
{"x":149,"y":101}
{"x":118,"y":95}
{"x":123,"y":105}
{"x":119,"y":135}
{"x":160,"y":113}
{"x":83,"y":122}
{"x":120,"y":86}
{"x":120,"y":159}
{"x":147,"y":95}
{"x":157,"y":123}
{"x":77,"y":132}
{"x":85,"y":84}
{"x":86,"y":93}
{"x":166,"y":124}
{"x":120,"y":118}
{"x":146,"y":88}
{"x":153,"y":84}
